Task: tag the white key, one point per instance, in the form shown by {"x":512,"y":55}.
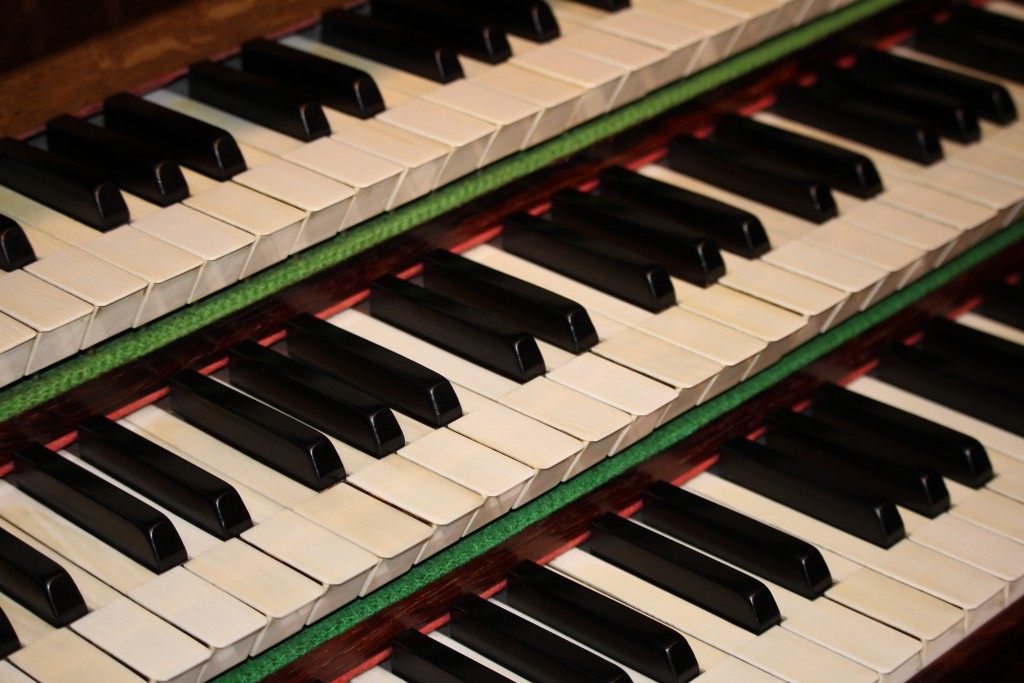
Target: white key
{"x":225,"y":249}
{"x":10,"y":674}
{"x":979,"y":595}
{"x":1009,"y":479}
{"x":16,"y":343}
{"x":377,"y":675}
{"x":115,"y":295}
{"x":340,"y":566}
{"x":759,"y":18}
{"x":58,"y":319}
{"x":993,"y":511}
{"x":76,"y":655}
{"x":496,"y":477}
{"x":648,"y":67}
{"x":602,"y":81}
{"x":776,"y":651}
{"x":447,"y":507}
{"x":559,"y":100}
{"x":993,"y":327}
{"x":27,"y":626}
{"x":43,"y":243}
{"x":936,"y":239}
{"x":902,"y":261}
{"x":326,"y":202}
{"x":721,"y":29}
{"x":28,"y":212}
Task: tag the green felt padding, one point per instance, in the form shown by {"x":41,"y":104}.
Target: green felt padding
{"x":133,"y":345}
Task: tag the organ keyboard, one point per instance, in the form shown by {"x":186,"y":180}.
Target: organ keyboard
{"x":309,"y":556}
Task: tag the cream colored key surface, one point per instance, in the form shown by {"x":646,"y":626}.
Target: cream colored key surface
{"x":903,"y":261}
{"x":1009,"y":479}
{"x":224,"y":248}
{"x":720,"y":28}
{"x":16,"y":343}
{"x":558,"y":99}
{"x":58,"y":319}
{"x":76,"y":655}
{"x":993,"y":327}
{"x":602,"y":81}
{"x":29,"y":212}
{"x":326,"y":202}
{"x":993,"y":511}
{"x":979,"y":595}
{"x":27,"y":626}
{"x":340,"y":566}
{"x":392,"y":536}
{"x":759,"y":18}
{"x":496,"y":477}
{"x":936,"y":239}
{"x":115,"y":295}
{"x":449,"y":508}
{"x":648,"y":66}
{"x":10,"y":674}
{"x":776,"y":651}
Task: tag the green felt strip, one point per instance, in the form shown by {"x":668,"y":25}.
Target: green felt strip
{"x":586,"y":482}
{"x":133,"y":345}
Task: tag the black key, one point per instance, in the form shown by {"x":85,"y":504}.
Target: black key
{"x":685,"y":572}
{"x":463,"y":330}
{"x":785,"y":480}
{"x":1003,"y":57}
{"x":926,"y":374}
{"x":38,"y":583}
{"x":758,"y":548}
{"x":993,"y":23}
{"x":175,"y":483}
{"x":1004,"y":303}
{"x":420,"y":659}
{"x":846,"y":460}
{"x":751,"y":175}
{"x":15,"y":249}
{"x":521,"y":646}
{"x":391,"y":44}
{"x":270,"y":436}
{"x":544,"y":314}
{"x":952,"y":117}
{"x":117,"y":518}
{"x":827,"y":109}
{"x":191,"y":142}
{"x":8,"y":638}
{"x":603,"y":266}
{"x":136,"y":167}
{"x":842,"y":169}
{"x":608,"y":5}
{"x":468,"y":33}
{"x":732,"y":229}
{"x":597,"y":621}
{"x":976,"y":356}
{"x":530,"y":19}
{"x":400,"y":382}
{"x":323,"y":401}
{"x":61,"y":184}
{"x":266,"y":102}
{"x":684,"y":252}
{"x":902,"y":436}
{"x":991,"y":100}
{"x":333,"y":84}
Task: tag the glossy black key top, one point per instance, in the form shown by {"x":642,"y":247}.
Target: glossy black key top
{"x":392,"y":44}
{"x":530,"y":19}
{"x":136,"y":167}
{"x":38,"y":583}
{"x":468,"y":33}
{"x":321,"y":400}
{"x":745,"y":172}
{"x":544,"y":314}
{"x":773,"y":475}
{"x":684,"y":252}
{"x":842,"y":169}
{"x":258,"y":99}
{"x":333,"y":84}
{"x":1004,"y":302}
{"x":991,"y":100}
{"x":421,"y":659}
{"x":952,"y":117}
{"x":117,"y":518}
{"x":15,"y":249}
{"x":732,"y":229}
{"x":976,"y":356}
{"x":8,"y":638}
{"x":751,"y":545}
{"x":902,"y":436}
{"x":827,"y":109}
{"x":461,"y":329}
{"x":270,"y":436}
{"x":851,"y":461}
{"x":173,"y":482}
{"x":609,"y":268}
{"x":687,"y":573}
{"x":400,"y":382}
{"x":191,"y":142}
{"x":597,"y":621}
{"x":927,"y":375}
{"x":521,"y":646}
{"x":985,"y":52}
{"x":61,"y":184}
{"x":992,"y":23}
